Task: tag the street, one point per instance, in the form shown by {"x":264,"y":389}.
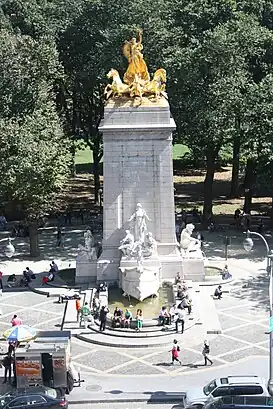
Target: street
{"x":140,"y":405}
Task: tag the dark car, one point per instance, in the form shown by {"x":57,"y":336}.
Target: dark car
{"x":36,"y":398}
{"x":239,"y":402}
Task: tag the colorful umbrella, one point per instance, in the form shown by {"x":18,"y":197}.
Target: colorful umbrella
{"x":20,"y":333}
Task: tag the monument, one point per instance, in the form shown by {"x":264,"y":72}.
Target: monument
{"x":139,"y":266}
{"x":138,"y":173}
{"x":86,"y":262}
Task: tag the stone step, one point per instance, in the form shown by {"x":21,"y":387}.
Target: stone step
{"x":131,"y":334}
{"x":154,"y":329}
{"x":109,"y":340}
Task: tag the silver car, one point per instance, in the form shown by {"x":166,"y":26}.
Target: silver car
{"x":230,"y":385}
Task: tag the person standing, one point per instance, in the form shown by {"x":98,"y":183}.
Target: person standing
{"x":85,"y":314}
{"x":7,"y":363}
{"x":139,"y":320}
{"x":103,"y":316}
{"x":205,"y":353}
{"x":172,"y":313}
{"x":180,"y":319}
{"x":59,"y":238}
{"x":1,"y":281}
{"x":175,"y":352}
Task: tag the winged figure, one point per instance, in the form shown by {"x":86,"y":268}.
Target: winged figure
{"x":137,"y":66}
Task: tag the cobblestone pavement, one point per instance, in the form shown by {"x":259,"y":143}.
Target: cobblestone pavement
{"x":34,"y":310}
{"x":244,"y":320}
{"x":243,"y":316}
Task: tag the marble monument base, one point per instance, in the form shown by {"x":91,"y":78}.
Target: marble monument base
{"x":86,"y":271}
{"x":140,"y":283}
{"x":193,"y":269}
{"x":108,"y":265}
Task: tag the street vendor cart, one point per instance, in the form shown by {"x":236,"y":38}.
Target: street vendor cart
{"x":46,"y":361}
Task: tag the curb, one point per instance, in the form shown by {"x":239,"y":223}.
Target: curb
{"x":153,"y":399}
{"x":208,"y":284}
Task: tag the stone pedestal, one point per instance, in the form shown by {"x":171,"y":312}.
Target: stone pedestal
{"x":138,"y":168}
{"x":193,"y":269}
{"x":140,"y":283}
{"x":86,"y":271}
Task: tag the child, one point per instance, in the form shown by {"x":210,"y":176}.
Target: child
{"x":175,"y":352}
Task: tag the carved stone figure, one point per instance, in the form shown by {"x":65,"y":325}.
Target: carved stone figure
{"x":88,"y":251}
{"x":89,"y":241}
{"x":150,"y":245}
{"x":188,"y":243}
{"x":139,"y":256}
{"x":127,"y":244}
{"x":138,"y":219}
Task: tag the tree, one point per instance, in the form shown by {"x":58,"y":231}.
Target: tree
{"x":33,"y":151}
{"x":89,"y":48}
{"x":219,"y":53}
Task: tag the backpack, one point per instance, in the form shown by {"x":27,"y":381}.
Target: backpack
{"x":206,"y":349}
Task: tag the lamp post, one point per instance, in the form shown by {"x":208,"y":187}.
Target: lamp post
{"x":248,"y":245}
{"x":9,"y":249}
{"x":100,"y":199}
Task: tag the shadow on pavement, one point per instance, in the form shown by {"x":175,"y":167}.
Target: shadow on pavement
{"x":254,"y":289}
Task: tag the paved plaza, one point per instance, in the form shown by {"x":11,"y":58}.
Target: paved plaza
{"x":114,"y":373}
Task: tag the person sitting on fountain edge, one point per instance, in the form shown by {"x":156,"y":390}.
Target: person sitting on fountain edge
{"x":128,"y":316}
{"x":164,"y":316}
{"x":225,"y":273}
{"x":117,"y":317}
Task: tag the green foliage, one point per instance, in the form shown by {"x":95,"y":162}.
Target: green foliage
{"x":34,"y":159}
{"x":33,"y":150}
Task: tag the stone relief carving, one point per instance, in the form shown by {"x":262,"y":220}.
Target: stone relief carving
{"x":88,"y":251}
{"x":127,"y":244}
{"x":138,"y":220}
{"x":187,"y":242}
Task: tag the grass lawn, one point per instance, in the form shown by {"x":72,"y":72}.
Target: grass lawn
{"x":85,"y":155}
{"x":188,"y":184}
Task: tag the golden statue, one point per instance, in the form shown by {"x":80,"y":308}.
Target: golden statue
{"x":136,"y":78}
{"x":137,"y":66}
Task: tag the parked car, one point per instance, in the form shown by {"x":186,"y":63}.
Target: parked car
{"x":239,"y":402}
{"x":231,"y":385}
{"x":34,"y":397}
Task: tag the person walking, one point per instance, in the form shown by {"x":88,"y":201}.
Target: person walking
{"x":103,"y":317}
{"x":78,"y":308}
{"x":205,"y":353}
{"x":180,"y":319}
{"x":7,"y":363}
{"x":16,"y":321}
{"x":175,"y":352}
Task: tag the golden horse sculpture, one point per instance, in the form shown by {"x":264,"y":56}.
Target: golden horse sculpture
{"x":138,"y":88}
{"x":136,"y":78}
